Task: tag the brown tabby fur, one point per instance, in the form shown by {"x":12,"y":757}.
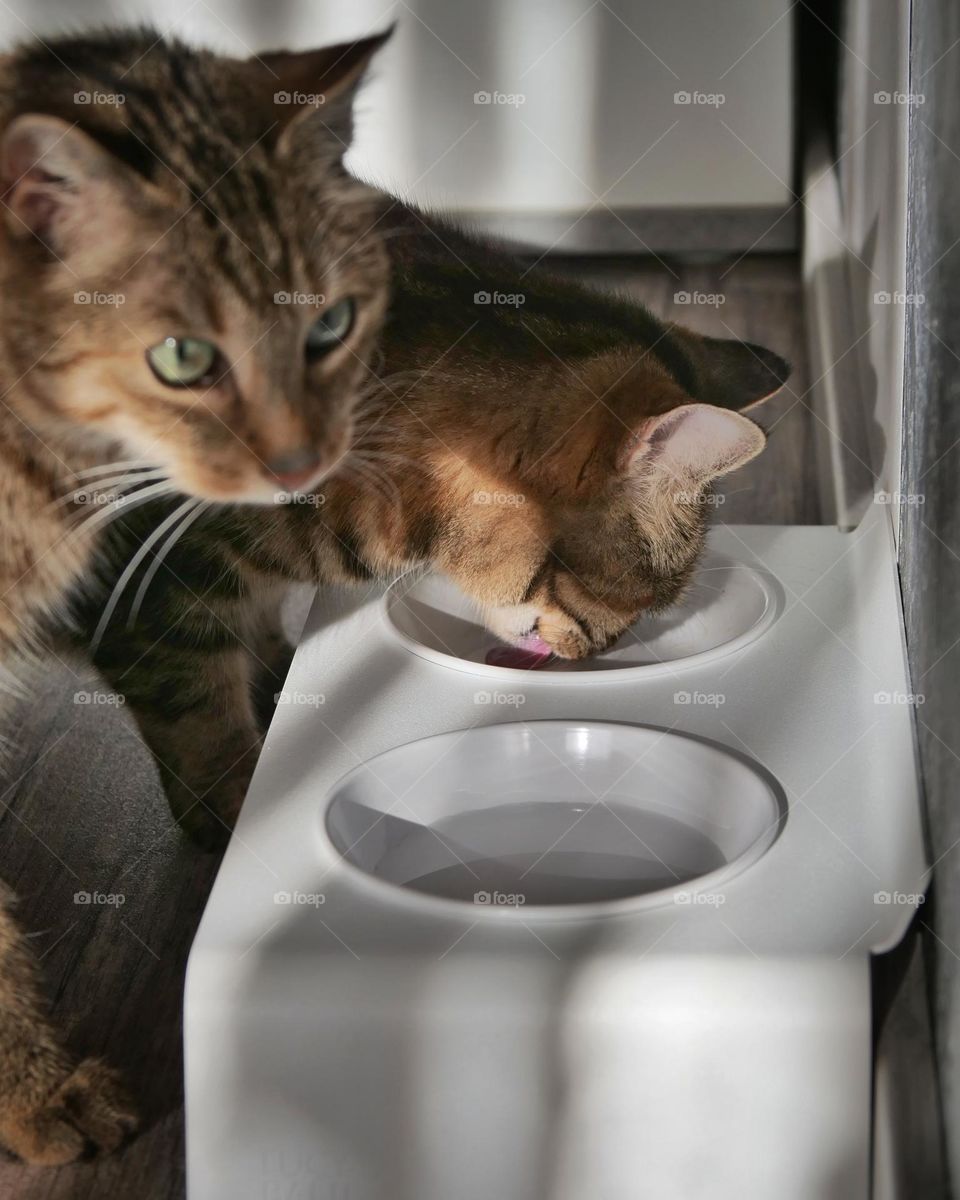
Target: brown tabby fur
{"x":197,"y":199}
{"x":567,"y":409}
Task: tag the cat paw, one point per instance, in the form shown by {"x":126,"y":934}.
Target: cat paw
{"x":88,"y":1114}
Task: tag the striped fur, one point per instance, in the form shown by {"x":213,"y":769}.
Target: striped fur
{"x":150,"y":191}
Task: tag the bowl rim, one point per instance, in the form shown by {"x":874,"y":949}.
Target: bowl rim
{"x":380,"y":889}
{"x":767,"y":583}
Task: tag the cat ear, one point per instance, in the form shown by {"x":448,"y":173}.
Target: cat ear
{"x":318,"y":83}
{"x":732,"y":374}
{"x":692,"y":444}
{"x":58,"y":184}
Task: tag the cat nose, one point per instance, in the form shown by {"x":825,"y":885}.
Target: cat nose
{"x":295,"y":467}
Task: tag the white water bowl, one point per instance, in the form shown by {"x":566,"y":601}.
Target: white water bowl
{"x":556,"y":818}
{"x":728,"y":606}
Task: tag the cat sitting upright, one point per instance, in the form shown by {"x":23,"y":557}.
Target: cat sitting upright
{"x":156,"y":200}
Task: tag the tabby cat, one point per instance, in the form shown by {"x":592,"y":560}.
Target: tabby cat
{"x":607,"y":423}
{"x":155,"y":201}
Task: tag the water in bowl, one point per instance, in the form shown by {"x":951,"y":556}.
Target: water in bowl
{"x":550,"y":852}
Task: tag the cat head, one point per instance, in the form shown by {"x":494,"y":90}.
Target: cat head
{"x":190,"y":277}
{"x":590,"y":509}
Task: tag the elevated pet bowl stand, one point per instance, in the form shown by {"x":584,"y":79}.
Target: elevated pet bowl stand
{"x":351,"y":1039}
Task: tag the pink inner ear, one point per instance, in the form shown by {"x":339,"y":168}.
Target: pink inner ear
{"x":58,"y":183}
{"x":33,"y":202}
{"x":30,"y":186}
{"x":695,"y":441}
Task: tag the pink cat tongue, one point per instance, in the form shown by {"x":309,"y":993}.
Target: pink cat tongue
{"x":524,"y":658}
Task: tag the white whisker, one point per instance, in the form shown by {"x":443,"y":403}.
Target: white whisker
{"x":132,"y":464}
{"x":188,"y":520}
{"x":121,"y":505}
{"x":131,"y":568}
{"x":101,"y":487}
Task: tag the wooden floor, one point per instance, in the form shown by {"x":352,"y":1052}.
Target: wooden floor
{"x":83,"y":811}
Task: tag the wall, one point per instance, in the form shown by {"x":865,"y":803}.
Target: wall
{"x":930,"y":531}
{"x":582,"y":110}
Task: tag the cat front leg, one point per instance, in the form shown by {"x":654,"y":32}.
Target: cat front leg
{"x":53,"y":1110}
{"x":195,"y":710}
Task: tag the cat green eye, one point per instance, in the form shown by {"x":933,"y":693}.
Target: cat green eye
{"x":179,"y":362}
{"x":330,"y":328}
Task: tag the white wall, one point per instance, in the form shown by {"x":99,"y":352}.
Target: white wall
{"x":598,"y":122}
{"x":873,"y":173}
